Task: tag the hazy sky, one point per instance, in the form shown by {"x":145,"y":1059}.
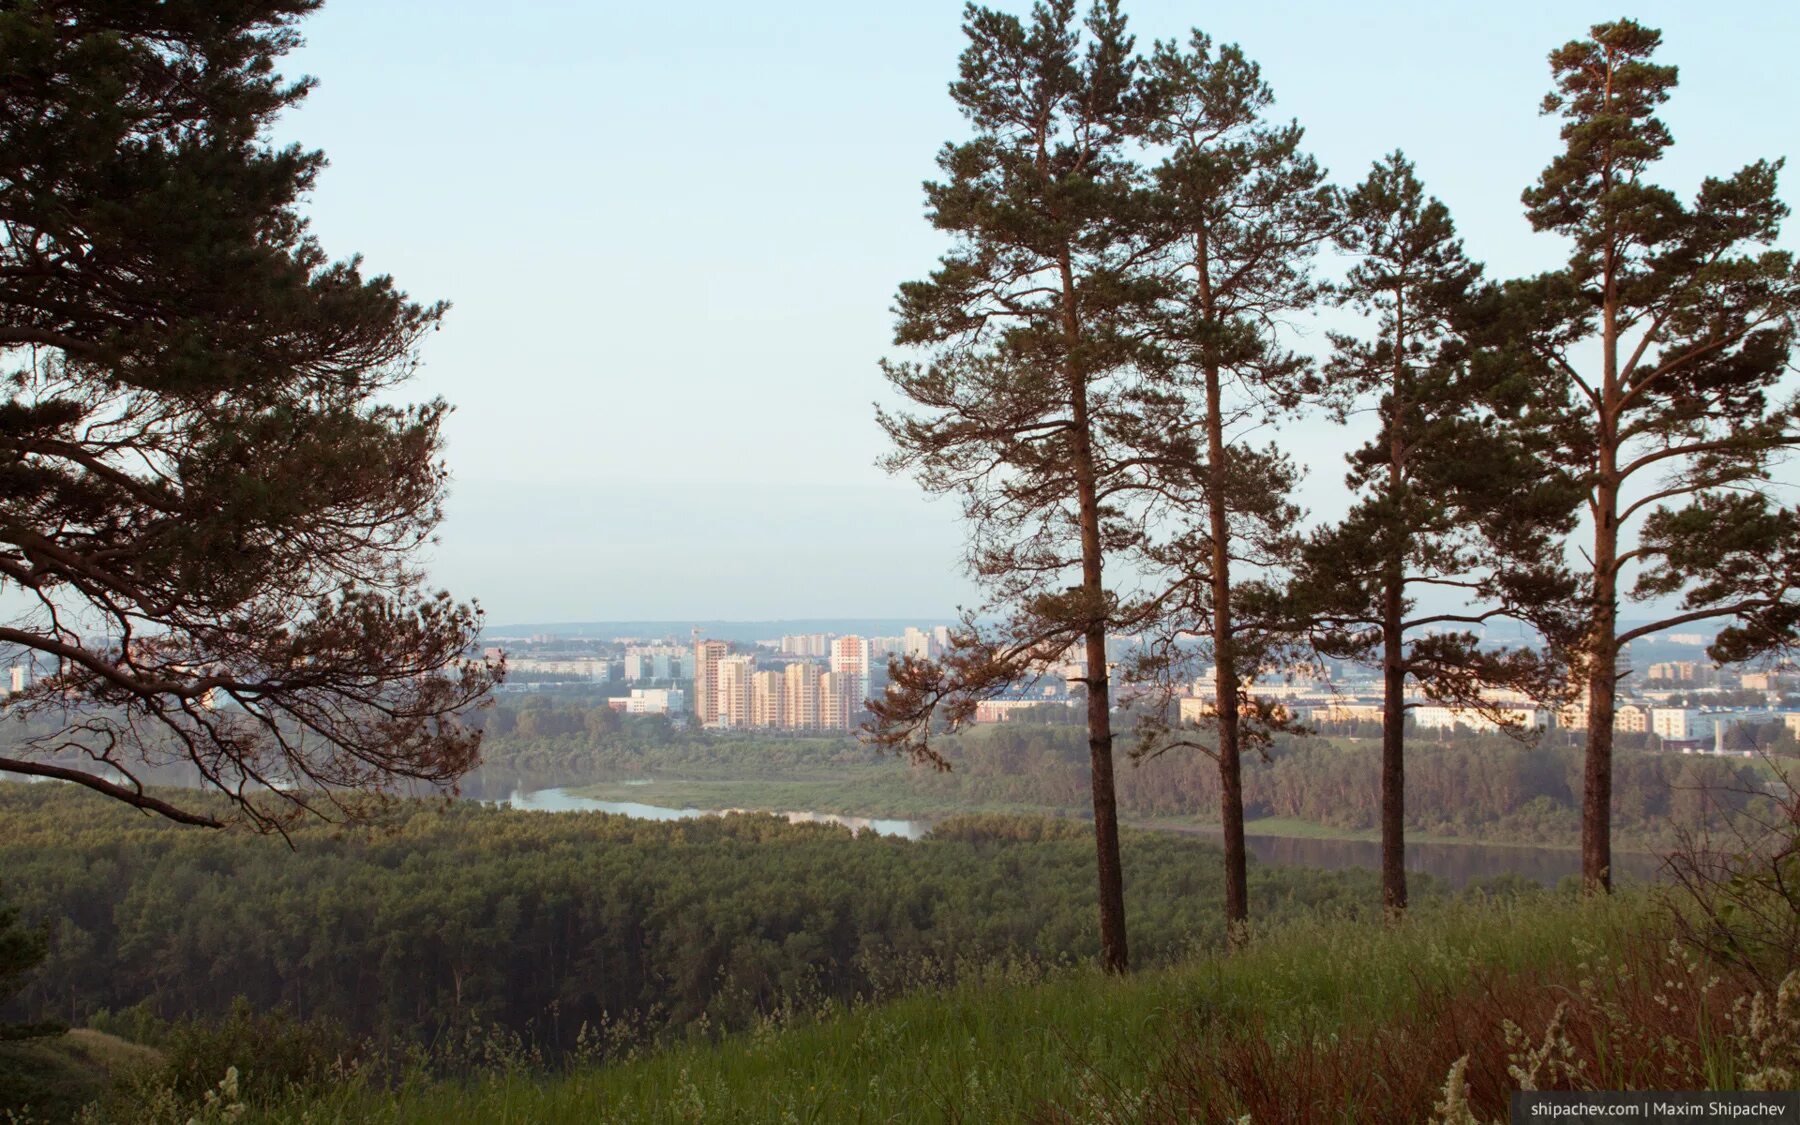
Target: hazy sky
{"x":672,"y":232}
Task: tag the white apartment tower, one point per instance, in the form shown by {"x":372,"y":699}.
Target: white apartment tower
{"x":804,"y":644}
{"x":918,"y":644}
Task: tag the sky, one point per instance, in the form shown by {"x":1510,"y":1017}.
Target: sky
{"x":671,"y":235}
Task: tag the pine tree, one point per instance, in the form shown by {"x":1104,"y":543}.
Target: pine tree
{"x":1029,"y":408}
{"x":1664,"y":340}
{"x":1239,"y":211}
{"x":208,"y":500}
{"x":1447,"y":499}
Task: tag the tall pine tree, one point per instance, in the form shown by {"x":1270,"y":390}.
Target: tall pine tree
{"x":1028,"y":408}
{"x":1663,"y":339}
{"x":1239,"y":210}
{"x":1448,"y":503}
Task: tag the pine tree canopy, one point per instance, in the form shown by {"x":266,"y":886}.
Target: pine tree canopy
{"x":209,"y":499}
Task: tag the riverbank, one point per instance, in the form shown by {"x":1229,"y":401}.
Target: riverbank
{"x":1457,"y":864}
{"x":884,"y":790}
{"x":890,"y":792}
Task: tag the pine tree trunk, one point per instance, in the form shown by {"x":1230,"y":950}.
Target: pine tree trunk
{"x":1393,"y":655}
{"x":1114,"y":953}
{"x":1603,"y":652}
{"x":1225,"y":669}
{"x":1603,"y":635}
{"x":1393,"y":751}
{"x":1225,"y":683}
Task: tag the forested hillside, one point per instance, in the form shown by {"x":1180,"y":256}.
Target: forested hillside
{"x":458,"y":915}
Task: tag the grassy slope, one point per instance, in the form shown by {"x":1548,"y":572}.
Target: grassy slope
{"x":63,"y":1071}
{"x":1005,"y":1049}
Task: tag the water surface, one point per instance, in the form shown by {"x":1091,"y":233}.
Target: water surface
{"x":562,"y":800}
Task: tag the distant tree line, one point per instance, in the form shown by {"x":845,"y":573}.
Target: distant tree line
{"x":1477,"y":786}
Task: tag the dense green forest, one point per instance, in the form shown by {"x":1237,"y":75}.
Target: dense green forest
{"x":1488,"y":787}
{"x":459,"y":914}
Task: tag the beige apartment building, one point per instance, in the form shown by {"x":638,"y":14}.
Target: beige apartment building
{"x":800,"y":683}
{"x":838,"y":700}
{"x":1440,"y":717}
{"x":707,"y":655}
{"x":768,"y":699}
{"x":1334,"y":712}
{"x":1628,"y":718}
{"x":734,"y":690}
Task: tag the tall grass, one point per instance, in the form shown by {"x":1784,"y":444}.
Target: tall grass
{"x":1016,"y":1043}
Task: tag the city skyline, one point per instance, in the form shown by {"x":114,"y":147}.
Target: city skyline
{"x":815,"y":682}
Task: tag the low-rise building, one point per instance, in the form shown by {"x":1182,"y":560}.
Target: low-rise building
{"x":1437,"y":716}
{"x":586,"y":667}
{"x":1005,"y":710}
{"x":651,"y":701}
{"x":1347,"y":713}
{"x":1680,"y":724}
{"x":1628,"y":718}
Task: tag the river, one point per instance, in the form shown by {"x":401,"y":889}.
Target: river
{"x":1455,"y":864}
{"x":562,"y":800}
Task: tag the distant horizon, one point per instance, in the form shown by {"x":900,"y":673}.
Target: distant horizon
{"x":665,"y":626}
{"x":689,"y":623}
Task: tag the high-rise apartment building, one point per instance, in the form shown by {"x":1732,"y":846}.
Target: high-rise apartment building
{"x":800,"y":684}
{"x":918,"y":644}
{"x":805,"y":644}
{"x":734,"y":690}
{"x":836,"y":691}
{"x":850,"y":659}
{"x":768,"y":699}
{"x":707,"y":655}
